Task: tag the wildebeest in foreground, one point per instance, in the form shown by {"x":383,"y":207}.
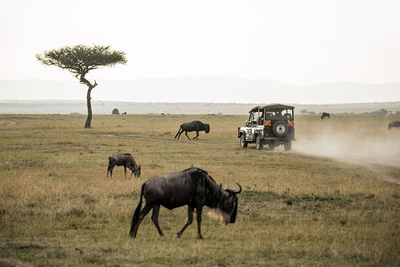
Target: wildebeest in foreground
{"x":193,"y":187}
{"x":395,"y":124}
{"x":125,"y":160}
{"x":193,"y":126}
{"x":325,"y":115}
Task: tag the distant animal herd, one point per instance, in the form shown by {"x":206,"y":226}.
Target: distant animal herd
{"x":395,"y":124}
{"x":193,"y":187}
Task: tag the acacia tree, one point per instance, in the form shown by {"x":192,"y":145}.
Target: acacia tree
{"x":81,"y":59}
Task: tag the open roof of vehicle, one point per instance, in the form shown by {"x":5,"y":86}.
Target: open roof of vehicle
{"x":272,"y":107}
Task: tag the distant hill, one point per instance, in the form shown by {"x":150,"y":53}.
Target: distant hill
{"x":106,"y":107}
{"x":202,"y":89}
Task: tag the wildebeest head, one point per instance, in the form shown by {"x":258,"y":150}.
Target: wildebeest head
{"x":137,"y":171}
{"x":207,"y":126}
{"x":227,"y":208}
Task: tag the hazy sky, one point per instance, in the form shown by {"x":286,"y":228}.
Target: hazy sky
{"x":294,"y":42}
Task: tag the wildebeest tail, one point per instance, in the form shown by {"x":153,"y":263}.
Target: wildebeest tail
{"x":180,"y":128}
{"x":109,"y":165}
{"x":135,"y":218}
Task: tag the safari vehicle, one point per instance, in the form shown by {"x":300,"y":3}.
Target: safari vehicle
{"x":271,"y":125}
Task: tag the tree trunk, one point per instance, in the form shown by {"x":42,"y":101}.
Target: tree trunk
{"x":88,"y":99}
{"x":89,"y":107}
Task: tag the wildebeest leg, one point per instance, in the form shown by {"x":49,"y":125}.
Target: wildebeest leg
{"x":189,"y":221}
{"x":197,"y":135}
{"x":187,"y":135}
{"x":199,"y":211}
{"x":154,"y":218}
{"x":142,"y":214}
{"x":110,"y":169}
{"x":132,"y":169}
{"x":125,"y":171}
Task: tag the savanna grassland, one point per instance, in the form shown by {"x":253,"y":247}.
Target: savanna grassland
{"x":58,"y":208}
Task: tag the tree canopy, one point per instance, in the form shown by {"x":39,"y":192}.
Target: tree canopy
{"x":81,"y":59}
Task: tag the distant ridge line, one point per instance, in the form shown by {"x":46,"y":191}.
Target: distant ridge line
{"x":106,"y":107}
{"x":207,"y":89}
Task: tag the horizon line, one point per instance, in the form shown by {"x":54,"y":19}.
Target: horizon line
{"x":188,"y":102}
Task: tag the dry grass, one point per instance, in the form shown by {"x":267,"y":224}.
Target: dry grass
{"x":58,"y":208}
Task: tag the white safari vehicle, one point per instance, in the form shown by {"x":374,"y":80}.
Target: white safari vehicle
{"x":271,"y":125}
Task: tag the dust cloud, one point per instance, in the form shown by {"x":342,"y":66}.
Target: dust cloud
{"x":354,"y":151}
{"x":364,"y":143}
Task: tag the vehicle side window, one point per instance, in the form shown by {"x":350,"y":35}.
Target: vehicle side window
{"x":268,"y":115}
{"x":256,"y":117}
{"x":251,"y":117}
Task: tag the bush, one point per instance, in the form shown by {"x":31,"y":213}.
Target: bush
{"x":115,"y":111}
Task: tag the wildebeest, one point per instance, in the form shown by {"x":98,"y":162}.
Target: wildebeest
{"x":193,"y":126}
{"x":125,"y":160}
{"x":193,"y":187}
{"x":395,"y":124}
{"x":325,"y":115}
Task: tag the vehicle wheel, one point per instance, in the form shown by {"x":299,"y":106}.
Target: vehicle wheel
{"x":259,"y":144}
{"x":243,"y":143}
{"x":280,"y":128}
{"x":288,"y":145}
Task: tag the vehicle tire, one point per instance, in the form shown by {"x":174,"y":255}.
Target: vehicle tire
{"x":243,"y":143}
{"x":280,"y":128}
{"x":288,"y":145}
{"x":259,"y":144}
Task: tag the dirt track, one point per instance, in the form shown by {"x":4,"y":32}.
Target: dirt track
{"x":377,"y":165}
{"x":7,"y":122}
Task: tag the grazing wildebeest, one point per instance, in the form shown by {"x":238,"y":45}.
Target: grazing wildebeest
{"x":395,"y":124}
{"x":193,"y":126}
{"x":193,"y":187}
{"x":325,"y":115}
{"x":125,"y":160}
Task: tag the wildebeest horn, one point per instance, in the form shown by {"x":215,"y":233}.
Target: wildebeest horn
{"x":233,"y":191}
{"x":240,"y":190}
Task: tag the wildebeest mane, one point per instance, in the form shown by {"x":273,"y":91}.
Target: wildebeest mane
{"x":194,"y":168}
{"x":209,"y":186}
{"x":200,"y":171}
